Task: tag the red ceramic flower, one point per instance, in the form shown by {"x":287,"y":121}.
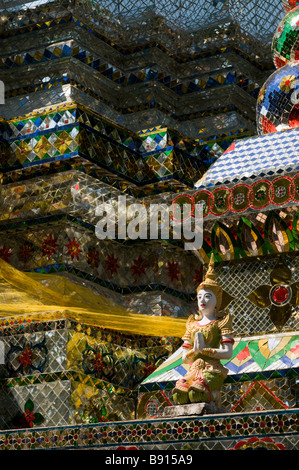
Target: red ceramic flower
{"x":127,"y":448}
{"x":98,"y":363}
{"x":28,"y":417}
{"x":5,"y":253}
{"x":255,"y":442}
{"x":93,"y":257}
{"x":139,"y":267}
{"x":149,"y":367}
{"x":49,"y":246}
{"x":25,"y":252}
{"x":25,"y":357}
{"x":111,"y":264}
{"x":280,"y":294}
{"x":73,"y":248}
{"x":173,"y":271}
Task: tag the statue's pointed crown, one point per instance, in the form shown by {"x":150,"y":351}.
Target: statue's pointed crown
{"x":210,"y":274}
{"x":210,"y":282}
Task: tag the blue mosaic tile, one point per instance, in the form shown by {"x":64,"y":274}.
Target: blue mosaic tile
{"x":255,"y":157}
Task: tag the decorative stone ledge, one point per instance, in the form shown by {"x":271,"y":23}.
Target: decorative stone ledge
{"x":193,"y":409}
{"x":223,"y":431}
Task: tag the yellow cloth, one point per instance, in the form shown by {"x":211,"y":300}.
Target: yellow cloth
{"x":32,"y":293}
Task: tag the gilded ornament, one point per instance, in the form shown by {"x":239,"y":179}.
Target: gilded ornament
{"x":279,"y":296}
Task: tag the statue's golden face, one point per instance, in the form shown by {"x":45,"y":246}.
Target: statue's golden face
{"x":206,"y":300}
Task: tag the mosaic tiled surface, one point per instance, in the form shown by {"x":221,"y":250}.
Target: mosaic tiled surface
{"x":290,"y":4}
{"x":251,"y":357}
{"x":239,"y":394}
{"x":156,"y":280}
{"x":101,"y":380}
{"x":285,"y":40}
{"x":276,"y":104}
{"x":58,"y":372}
{"x":35,"y":356}
{"x":49,"y":400}
{"x":95,"y":109}
{"x":125,"y":90}
{"x":256,"y":158}
{"x":221,"y":432}
{"x":76,"y":194}
{"x":55,"y":240}
{"x":173,"y":14}
{"x":78,"y":51}
{"x":262,"y":375}
{"x":277,"y":107}
{"x":147,"y":75}
{"x":162,"y":281}
{"x":33,"y":142}
{"x":73,"y":136}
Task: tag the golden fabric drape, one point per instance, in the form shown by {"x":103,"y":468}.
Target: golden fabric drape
{"x":24,"y":294}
